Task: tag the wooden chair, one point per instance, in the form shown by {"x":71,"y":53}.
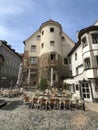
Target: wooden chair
{"x":66,"y":103}
{"x":57,"y":103}
{"x":43,"y":103}
{"x":26,"y":100}
{"x":35,"y":103}
{"x":54,"y":103}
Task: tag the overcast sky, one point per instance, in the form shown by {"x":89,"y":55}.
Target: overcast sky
{"x":20,"y":18}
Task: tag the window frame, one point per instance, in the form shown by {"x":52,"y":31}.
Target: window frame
{"x":42,"y":32}
{"x":53,"y":56}
{"x":33,"y":48}
{"x":95,"y":38}
{"x":84,"y":42}
{"x":52,"y":43}
{"x":75,"y":56}
{"x":85,"y":90}
{"x":33,"y":60}
{"x":97,"y":59}
{"x":66,"y":61}
{"x":38,"y":37}
{"x":42,"y":45}
{"x":51,"y":29}
{"x":87,"y":63}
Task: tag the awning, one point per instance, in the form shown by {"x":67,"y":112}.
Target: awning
{"x":69,"y":81}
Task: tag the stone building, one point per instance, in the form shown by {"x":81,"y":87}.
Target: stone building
{"x":45,"y":55}
{"x":84,"y":63}
{"x":10,"y":66}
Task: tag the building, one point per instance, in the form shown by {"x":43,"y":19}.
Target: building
{"x":10,"y":67}
{"x":84,"y":63}
{"x":45,"y":55}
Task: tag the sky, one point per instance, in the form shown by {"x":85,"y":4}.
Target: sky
{"x":19,"y":19}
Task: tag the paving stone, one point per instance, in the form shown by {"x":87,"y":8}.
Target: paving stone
{"x":21,"y":117}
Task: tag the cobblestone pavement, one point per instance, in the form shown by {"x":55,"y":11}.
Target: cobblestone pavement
{"x":17,"y":116}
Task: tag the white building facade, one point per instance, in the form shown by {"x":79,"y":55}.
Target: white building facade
{"x":45,"y":54}
{"x":84,"y":63}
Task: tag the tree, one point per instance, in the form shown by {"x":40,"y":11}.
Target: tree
{"x":43,"y":84}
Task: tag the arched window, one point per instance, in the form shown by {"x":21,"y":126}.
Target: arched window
{"x":52,"y":56}
{"x":84,"y":42}
{"x":87,"y":63}
{"x":42,"y":45}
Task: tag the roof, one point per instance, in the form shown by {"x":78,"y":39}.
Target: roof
{"x":85,"y":30}
{"x":81,"y":32}
{"x":9,"y":47}
{"x":74,"y":48}
{"x":50,"y":21}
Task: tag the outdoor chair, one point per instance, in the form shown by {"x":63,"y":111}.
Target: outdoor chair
{"x":35,"y":103}
{"x":66,"y":103}
{"x":80,"y":104}
{"x":26,"y":100}
{"x":54,"y":103}
{"x":57,"y":104}
{"x":43,"y":104}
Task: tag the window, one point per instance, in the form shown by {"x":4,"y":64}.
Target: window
{"x":63,"y":38}
{"x":42,"y":45}
{"x":42,"y":32}
{"x":65,"y":61}
{"x":77,"y":71}
{"x":33,"y":48}
{"x":69,"y":60}
{"x":84,"y":42}
{"x":51,"y":29}
{"x":97,"y":59}
{"x":75,"y":56}
{"x":96,"y":84}
{"x":87,"y":63}
{"x":70,"y":73}
{"x":38,"y":37}
{"x":95,"y":38}
{"x":77,"y":87}
{"x":33,"y":60}
{"x":85,"y":90}
{"x":52,"y":43}
{"x":52,"y":56}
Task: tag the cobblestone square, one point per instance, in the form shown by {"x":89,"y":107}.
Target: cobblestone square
{"x":17,"y":116}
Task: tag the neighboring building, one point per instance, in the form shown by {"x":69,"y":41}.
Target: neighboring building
{"x":10,"y":67}
{"x":84,"y":63}
{"x":45,"y":55}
